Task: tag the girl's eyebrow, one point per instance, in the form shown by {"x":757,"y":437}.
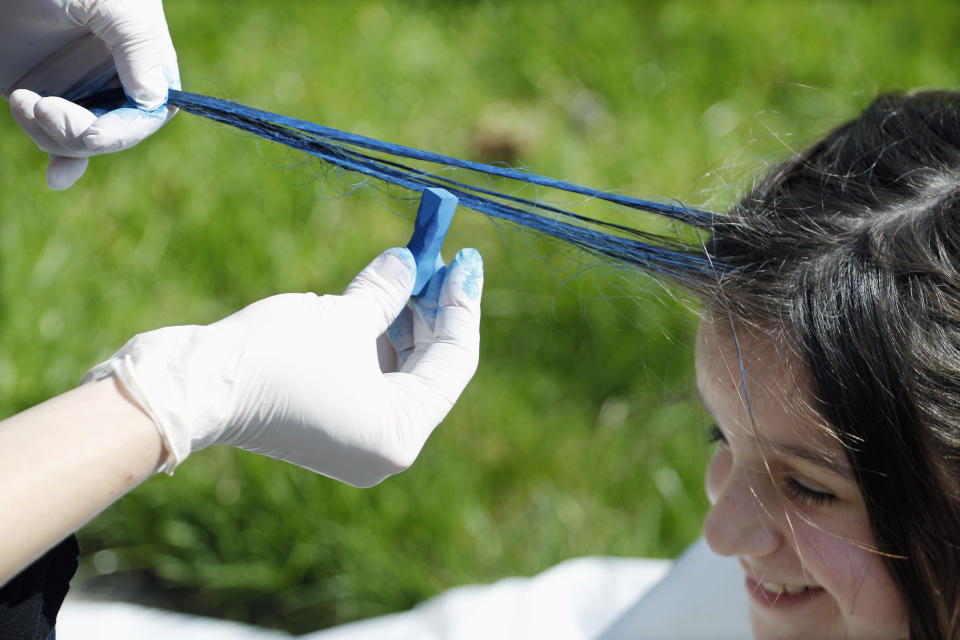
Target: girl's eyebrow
{"x":819,"y":459}
{"x":802,"y":453}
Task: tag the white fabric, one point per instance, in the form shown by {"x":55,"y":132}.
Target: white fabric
{"x":573,"y":600}
{"x":88,"y":620}
{"x":699,"y":597}
{"x":72,"y":49}
{"x":298,"y":376}
{"x":702,"y":598}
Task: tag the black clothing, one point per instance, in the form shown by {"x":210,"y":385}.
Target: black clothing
{"x":29,"y":603}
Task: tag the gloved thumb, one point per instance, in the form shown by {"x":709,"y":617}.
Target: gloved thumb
{"x":382,"y":289}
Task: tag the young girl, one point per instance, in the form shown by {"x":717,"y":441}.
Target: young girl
{"x":829,"y":357}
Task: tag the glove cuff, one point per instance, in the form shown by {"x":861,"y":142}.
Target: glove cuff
{"x":120,"y":368}
{"x":146,"y":367}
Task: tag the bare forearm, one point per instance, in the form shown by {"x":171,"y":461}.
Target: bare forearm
{"x":64,"y":461}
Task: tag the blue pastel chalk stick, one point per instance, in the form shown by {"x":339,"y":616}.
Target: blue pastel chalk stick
{"x":433,"y":220}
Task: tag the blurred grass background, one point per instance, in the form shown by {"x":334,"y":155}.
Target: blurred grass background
{"x":580,"y":433}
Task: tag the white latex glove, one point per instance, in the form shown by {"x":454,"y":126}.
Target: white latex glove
{"x":297,"y":376}
{"x":55,"y":51}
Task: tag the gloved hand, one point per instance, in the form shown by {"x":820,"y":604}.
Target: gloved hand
{"x":297,"y":376}
{"x":68,"y":49}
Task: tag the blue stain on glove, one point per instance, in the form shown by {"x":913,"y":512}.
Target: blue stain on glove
{"x":472,"y":269}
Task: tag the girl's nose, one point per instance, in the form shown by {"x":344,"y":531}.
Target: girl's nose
{"x":739,"y":524}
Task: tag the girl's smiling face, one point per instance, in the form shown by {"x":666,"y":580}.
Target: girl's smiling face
{"x":784,"y":497}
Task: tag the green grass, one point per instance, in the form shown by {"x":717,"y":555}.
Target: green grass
{"x":580,"y":433}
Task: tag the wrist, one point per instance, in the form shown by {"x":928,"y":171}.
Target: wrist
{"x":152,"y":371}
{"x":119,"y":407}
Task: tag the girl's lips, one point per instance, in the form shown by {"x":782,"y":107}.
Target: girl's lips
{"x":782,"y":600}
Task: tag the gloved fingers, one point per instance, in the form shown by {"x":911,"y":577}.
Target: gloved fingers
{"x":64,"y":123}
{"x":131,"y":41}
{"x":71,"y":133}
{"x":379,"y":292}
{"x":399,"y":340}
{"x":136,"y":33}
{"x":446,"y":355}
{"x":456,"y":286}
{"x":41,"y":124}
{"x":443,"y":361}
{"x":463,"y":285}
{"x":123,"y":128}
{"x":62,"y":171}
{"x":22,"y":103}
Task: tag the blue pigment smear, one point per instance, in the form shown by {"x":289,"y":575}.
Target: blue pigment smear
{"x":136,"y":113}
{"x":427,"y":304}
{"x":472,"y":266}
{"x":386,"y":161}
{"x":406,"y":256}
{"x":395,"y":334}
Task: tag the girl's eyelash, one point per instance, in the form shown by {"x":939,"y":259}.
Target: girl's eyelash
{"x":715,"y":435}
{"x":808,"y":495}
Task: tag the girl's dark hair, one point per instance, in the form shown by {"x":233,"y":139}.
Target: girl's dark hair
{"x":854,"y":247}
